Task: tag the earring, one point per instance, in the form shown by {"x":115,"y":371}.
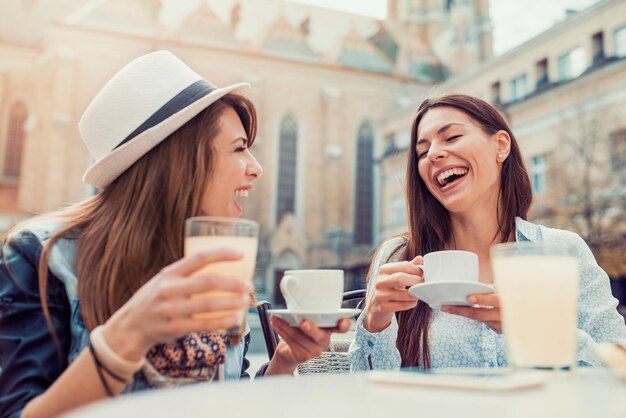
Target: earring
{"x":500,"y":156}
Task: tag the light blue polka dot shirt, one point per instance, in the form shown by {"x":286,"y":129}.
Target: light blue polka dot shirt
{"x":455,"y":341}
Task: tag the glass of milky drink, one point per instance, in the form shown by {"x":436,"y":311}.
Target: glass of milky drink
{"x":209,"y":233}
{"x":538,"y":285}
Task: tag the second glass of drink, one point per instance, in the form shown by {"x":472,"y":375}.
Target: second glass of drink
{"x":538,"y":285}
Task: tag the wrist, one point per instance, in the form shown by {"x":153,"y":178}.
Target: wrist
{"x":280,"y":365}
{"x":107,"y":358}
{"x":125,"y":338}
{"x":376,"y":323}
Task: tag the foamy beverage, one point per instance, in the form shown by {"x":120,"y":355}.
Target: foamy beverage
{"x":538,"y":289}
{"x":212,"y":233}
{"x":241,"y":269}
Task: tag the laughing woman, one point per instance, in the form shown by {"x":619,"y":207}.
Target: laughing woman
{"x":95,"y":299}
{"x":467,"y":189}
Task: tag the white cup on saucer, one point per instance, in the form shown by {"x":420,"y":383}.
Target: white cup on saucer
{"x":450,"y":266}
{"x":313,"y":295}
{"x":449,"y":277}
{"x":313,"y":290}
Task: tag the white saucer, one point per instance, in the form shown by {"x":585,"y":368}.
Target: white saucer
{"x":323,"y":319}
{"x":437,"y":294}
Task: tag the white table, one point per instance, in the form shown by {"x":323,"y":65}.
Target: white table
{"x":590,"y":393}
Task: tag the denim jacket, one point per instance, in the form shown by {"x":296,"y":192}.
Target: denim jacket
{"x":456,"y":341}
{"x":29,"y":359}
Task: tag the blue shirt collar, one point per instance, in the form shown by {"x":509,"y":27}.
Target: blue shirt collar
{"x":527,"y":231}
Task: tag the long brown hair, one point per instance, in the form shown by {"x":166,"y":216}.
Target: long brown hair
{"x":429,"y":221}
{"x":134,"y":227}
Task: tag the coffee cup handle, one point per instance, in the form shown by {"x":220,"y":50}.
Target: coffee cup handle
{"x":284,"y":289}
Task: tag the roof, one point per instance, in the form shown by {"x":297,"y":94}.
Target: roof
{"x":285,"y":41}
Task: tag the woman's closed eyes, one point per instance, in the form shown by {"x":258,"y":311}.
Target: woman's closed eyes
{"x":425,"y":152}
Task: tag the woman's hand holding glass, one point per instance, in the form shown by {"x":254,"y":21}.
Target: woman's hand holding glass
{"x":486,"y":309}
{"x":162,"y":309}
{"x":300,"y":344}
{"x":390,"y":293}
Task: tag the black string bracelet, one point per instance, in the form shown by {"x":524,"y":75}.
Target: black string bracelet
{"x":103,"y":379}
{"x":105,"y":368}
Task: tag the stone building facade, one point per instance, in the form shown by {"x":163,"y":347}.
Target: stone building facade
{"x":322,"y":81}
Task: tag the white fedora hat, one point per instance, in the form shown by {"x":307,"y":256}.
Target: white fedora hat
{"x":139,"y":107}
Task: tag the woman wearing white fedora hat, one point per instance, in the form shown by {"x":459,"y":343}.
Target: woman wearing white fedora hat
{"x":92,"y":297}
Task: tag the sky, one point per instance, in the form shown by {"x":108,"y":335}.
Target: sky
{"x":514,"y":21}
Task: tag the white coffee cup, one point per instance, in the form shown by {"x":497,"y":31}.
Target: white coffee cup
{"x":313,"y":290}
{"x":450,"y":266}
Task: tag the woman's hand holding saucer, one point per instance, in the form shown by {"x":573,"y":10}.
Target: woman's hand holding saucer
{"x":486,"y":309}
{"x":298,"y":345}
{"x":390,"y":294}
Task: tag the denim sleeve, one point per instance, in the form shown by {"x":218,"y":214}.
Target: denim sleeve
{"x":598,"y":318}
{"x":262,"y":370}
{"x":29,"y":359}
{"x":246,"y":363}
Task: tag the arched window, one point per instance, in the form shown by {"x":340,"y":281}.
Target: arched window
{"x":287,"y":155}
{"x":14,"y":141}
{"x":364,"y":199}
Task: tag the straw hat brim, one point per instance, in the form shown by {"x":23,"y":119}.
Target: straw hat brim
{"x":107,"y":169}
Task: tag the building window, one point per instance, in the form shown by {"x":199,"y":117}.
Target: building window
{"x":364,"y":199}
{"x":597,"y":41}
{"x":618,"y":151}
{"x":538,"y":171}
{"x":571,"y":64}
{"x":287,"y":156}
{"x":12,"y":160}
{"x":542,"y":74}
{"x":518,"y":87}
{"x":620,"y":42}
{"x":495,"y":93}
{"x":397,"y":213}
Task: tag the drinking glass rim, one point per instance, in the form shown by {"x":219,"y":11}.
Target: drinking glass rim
{"x":451,"y":251}
{"x":222,"y":219}
{"x":526,"y":248}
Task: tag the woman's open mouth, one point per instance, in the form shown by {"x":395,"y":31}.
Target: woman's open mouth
{"x":240,"y":194}
{"x":448,"y":178}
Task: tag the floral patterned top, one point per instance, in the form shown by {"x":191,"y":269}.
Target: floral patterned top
{"x":456,"y":341}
